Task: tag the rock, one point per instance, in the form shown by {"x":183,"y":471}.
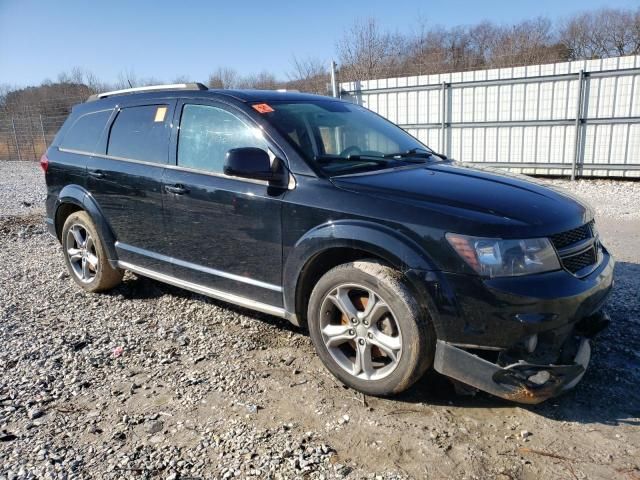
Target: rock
{"x":35,"y":413}
{"x":155,"y":427}
{"x":525,"y":434}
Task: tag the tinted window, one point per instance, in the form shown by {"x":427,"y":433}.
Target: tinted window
{"x":208,"y":133}
{"x":141,"y":133}
{"x":85,"y":132}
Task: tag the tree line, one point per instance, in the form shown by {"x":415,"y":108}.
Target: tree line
{"x":366,"y":50}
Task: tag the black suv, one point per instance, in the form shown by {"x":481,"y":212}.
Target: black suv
{"x":318,"y":210}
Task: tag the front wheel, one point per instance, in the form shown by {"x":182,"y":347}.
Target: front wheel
{"x":368,"y":328}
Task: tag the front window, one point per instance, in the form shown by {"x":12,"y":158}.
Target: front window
{"x":343,"y":138}
{"x":207,"y":133}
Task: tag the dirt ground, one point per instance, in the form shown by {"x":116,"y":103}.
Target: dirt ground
{"x":211,"y":371}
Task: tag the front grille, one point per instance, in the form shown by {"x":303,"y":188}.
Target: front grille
{"x":564,"y":239}
{"x":577,"y":262}
{"x":565,"y":244}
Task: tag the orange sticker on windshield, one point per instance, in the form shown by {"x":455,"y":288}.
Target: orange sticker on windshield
{"x":262,"y":108}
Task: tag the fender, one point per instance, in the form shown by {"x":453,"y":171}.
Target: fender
{"x":77,"y":195}
{"x":381,"y":241}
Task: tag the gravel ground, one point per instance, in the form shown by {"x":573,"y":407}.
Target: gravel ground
{"x":21,"y":188}
{"x":150,"y":381}
{"x":610,"y":197}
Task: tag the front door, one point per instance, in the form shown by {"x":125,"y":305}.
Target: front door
{"x":223,"y":232}
{"x":126,"y":180}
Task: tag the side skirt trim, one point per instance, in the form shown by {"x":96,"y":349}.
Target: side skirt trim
{"x":199,"y":268}
{"x":210,"y":292}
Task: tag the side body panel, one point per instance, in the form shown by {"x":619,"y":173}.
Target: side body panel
{"x":129,"y":193}
{"x":345,"y":221}
{"x":223,"y":232}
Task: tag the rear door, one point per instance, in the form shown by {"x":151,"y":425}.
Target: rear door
{"x":222,"y":232}
{"x":126,"y":180}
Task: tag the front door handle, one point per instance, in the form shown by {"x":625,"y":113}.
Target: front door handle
{"x":176,"y":189}
{"x":96,"y":173}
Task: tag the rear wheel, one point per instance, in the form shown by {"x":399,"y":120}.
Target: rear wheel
{"x":85,"y":255}
{"x":368,"y":329}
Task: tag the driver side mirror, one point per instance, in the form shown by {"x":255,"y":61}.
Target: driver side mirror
{"x":254,"y":163}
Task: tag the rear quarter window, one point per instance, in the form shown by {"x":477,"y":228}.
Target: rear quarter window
{"x":84,"y":134}
{"x":141,"y":133}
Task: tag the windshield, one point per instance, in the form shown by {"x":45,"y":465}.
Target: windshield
{"x":343,"y":138}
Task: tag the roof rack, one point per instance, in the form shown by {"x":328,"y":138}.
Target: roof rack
{"x":149,"y":88}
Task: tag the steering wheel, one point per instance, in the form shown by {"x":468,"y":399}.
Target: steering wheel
{"x":353,"y":149}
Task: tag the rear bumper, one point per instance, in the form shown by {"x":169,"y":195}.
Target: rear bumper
{"x":523,"y":381}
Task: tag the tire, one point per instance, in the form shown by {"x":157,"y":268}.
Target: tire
{"x":85,"y":255}
{"x":395,"y":333}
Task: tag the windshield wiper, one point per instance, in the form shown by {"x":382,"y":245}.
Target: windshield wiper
{"x":414,"y":152}
{"x":351,"y":158}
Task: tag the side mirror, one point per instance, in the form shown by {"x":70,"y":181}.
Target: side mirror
{"x":251,"y":162}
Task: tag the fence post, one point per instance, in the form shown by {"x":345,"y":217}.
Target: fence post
{"x":44,"y":138}
{"x":15,"y":137}
{"x":577,"y":150}
{"x":334,"y":80}
{"x":443,"y":119}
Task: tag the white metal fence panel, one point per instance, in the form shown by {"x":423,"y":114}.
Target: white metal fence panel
{"x":574,"y":118}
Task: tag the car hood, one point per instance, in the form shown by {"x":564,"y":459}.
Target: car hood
{"x":471,"y":199}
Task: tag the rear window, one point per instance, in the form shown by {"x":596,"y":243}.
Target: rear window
{"x":85,"y":132}
{"x":141,"y":133}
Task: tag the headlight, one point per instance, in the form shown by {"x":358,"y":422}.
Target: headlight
{"x":493,"y":257}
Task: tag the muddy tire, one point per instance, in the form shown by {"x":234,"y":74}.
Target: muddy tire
{"x":85,"y":255}
{"x":368,"y":328}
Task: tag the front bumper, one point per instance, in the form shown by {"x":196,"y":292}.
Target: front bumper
{"x":522,"y":381}
{"x":484,"y":326}
{"x":502,"y":312}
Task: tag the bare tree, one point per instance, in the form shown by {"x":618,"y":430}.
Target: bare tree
{"x":602,"y":33}
{"x":182,"y":79}
{"x":527,"y":43}
{"x":366,"y":51}
{"x":262,"y":80}
{"x":308,"y":75}
{"x":224,"y":77}
{"x":129,"y":79}
{"x":5,"y":89}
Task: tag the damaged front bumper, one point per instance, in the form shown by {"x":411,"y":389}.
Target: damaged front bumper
{"x":523,"y":381}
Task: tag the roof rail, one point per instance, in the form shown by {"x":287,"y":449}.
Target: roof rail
{"x":149,"y":88}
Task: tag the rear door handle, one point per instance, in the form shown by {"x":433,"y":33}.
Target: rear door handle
{"x":96,"y":173}
{"x":176,"y":189}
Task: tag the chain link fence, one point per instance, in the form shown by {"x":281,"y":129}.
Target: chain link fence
{"x":27,"y":131}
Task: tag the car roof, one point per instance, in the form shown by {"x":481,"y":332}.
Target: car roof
{"x":245,"y":96}
{"x":269,"y":95}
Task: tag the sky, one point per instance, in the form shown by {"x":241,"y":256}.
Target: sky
{"x":166,"y":39}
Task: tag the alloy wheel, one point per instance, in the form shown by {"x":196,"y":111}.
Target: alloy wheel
{"x":360,"y":331}
{"x":81,"y":252}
